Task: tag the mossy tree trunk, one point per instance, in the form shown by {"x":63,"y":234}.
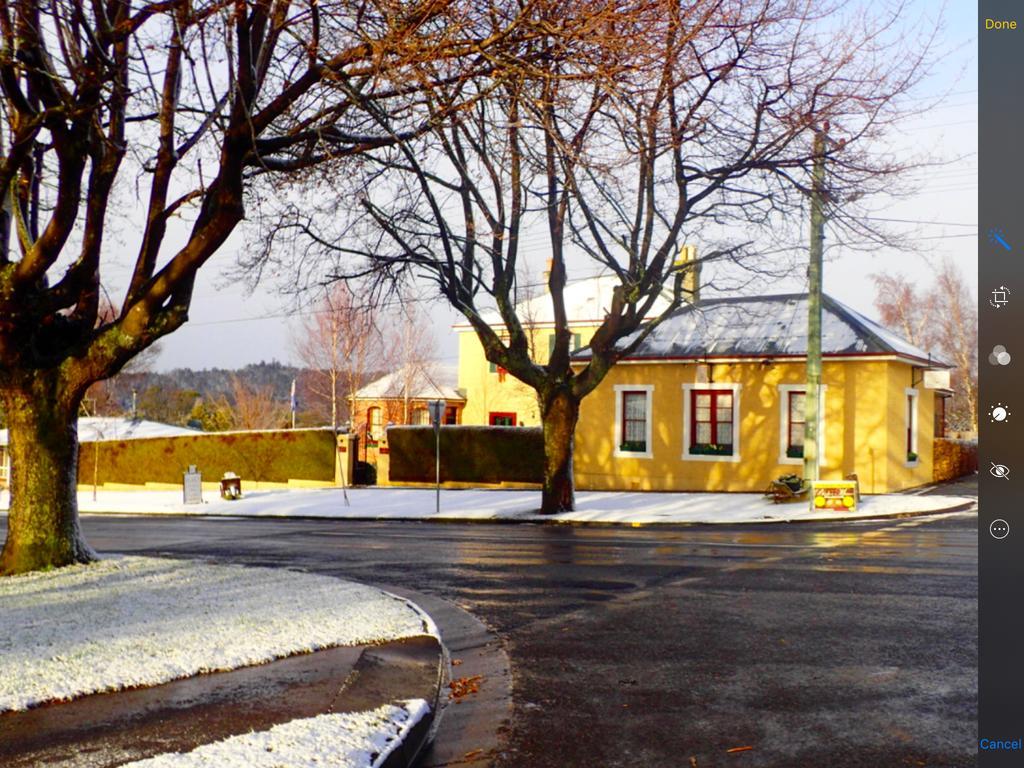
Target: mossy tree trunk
{"x":43,"y":530}
{"x":560,"y":411}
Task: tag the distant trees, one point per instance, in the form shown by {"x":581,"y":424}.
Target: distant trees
{"x":941,"y":317}
{"x":252,"y":406}
{"x":167,"y":405}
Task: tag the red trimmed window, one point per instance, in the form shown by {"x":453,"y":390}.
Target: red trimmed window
{"x":711,"y":425}
{"x":501,"y":419}
{"x":797,"y":425}
{"x":634,"y":422}
{"x":911,"y":427}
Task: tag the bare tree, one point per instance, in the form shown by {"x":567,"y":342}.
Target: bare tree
{"x":195,"y":106}
{"x":941,"y":318}
{"x":411,"y":352}
{"x":641,"y":126}
{"x":340,"y":343}
{"x":251,"y":406}
{"x":906,"y":308}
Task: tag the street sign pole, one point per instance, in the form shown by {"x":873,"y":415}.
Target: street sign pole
{"x":436,"y":408}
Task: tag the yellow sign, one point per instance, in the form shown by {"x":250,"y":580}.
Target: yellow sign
{"x":840,"y":495}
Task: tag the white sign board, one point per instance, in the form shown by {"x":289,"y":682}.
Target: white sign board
{"x":193,"y":486}
{"x":936,"y":380}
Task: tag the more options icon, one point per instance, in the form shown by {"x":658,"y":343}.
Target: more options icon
{"x":999,"y":529}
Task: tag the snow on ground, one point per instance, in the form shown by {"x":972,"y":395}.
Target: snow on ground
{"x":591,"y":506}
{"x":350,"y":740}
{"x":133,"y":621}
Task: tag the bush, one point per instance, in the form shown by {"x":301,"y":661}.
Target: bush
{"x":954,"y":458}
{"x":721,"y":449}
{"x":468,"y":454}
{"x":271,"y":456}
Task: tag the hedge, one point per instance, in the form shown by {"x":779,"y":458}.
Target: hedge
{"x":468,"y":454}
{"x":953,"y":458}
{"x":271,"y":456}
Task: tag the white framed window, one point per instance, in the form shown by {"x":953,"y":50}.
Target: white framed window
{"x":633,"y":431}
{"x":792,"y":423}
{"x":711,"y":422}
{"x":910,"y":411}
{"x":374,"y":421}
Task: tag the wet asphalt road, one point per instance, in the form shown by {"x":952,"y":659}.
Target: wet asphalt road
{"x":849,"y":644}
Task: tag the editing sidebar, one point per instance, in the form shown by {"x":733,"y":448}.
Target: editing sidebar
{"x":1001,"y":383}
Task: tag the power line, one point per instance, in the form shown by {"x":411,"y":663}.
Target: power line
{"x":918,"y":221}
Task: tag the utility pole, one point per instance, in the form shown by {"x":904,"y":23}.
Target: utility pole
{"x":812,"y":398}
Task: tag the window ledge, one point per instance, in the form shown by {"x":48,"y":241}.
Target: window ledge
{"x":710,"y":457}
{"x":632,"y":455}
{"x":912,"y":464}
{"x":784,"y":459}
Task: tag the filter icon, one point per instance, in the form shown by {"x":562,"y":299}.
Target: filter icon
{"x":999,"y":355}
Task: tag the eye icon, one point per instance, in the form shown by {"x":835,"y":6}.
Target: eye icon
{"x":999,"y":470}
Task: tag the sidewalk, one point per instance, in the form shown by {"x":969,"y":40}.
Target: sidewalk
{"x":592,"y":507}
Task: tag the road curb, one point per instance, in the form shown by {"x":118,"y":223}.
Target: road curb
{"x":469,"y":731}
{"x":533,"y":521}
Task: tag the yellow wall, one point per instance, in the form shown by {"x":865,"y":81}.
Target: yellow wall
{"x":865,"y":429}
{"x":486,"y":393}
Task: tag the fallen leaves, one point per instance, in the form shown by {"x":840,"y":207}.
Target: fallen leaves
{"x":738,"y":749}
{"x":464,"y":686}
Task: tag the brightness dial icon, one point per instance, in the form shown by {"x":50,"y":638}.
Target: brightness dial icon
{"x":999,"y":412}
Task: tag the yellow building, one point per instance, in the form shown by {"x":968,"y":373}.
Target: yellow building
{"x":497,"y":398}
{"x":712,"y":400}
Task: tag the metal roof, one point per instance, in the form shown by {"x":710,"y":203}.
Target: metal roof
{"x":766,"y":327}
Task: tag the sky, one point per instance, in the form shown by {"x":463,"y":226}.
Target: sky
{"x":230,"y":326}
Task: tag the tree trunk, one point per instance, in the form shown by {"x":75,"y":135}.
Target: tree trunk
{"x":42,"y":524}
{"x":559,"y":413}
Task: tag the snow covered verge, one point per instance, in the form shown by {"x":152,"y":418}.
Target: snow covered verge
{"x":349,"y":740}
{"x":591,"y":506}
{"x":135,"y":621}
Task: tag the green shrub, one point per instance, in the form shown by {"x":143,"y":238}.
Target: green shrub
{"x":272,"y":456}
{"x":468,"y":454}
{"x":722,"y":449}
